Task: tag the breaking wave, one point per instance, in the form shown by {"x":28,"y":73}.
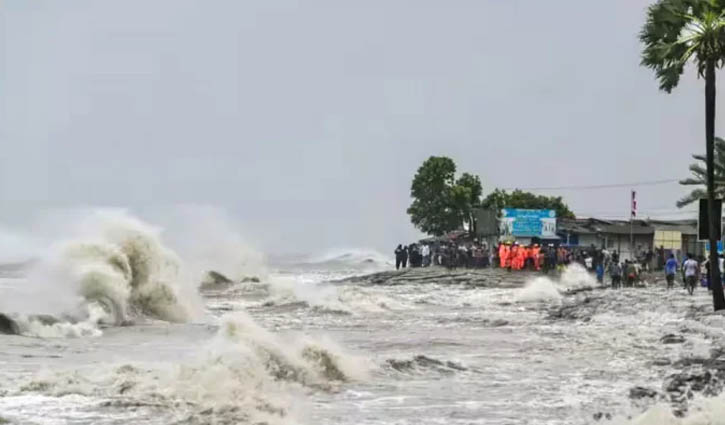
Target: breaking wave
{"x":574,"y":278}
{"x":365,"y":259}
{"x":45,"y":326}
{"x":118,"y":265}
{"x":421,"y":364}
{"x":539,"y":289}
{"x":244,"y":375}
{"x":328,"y":298}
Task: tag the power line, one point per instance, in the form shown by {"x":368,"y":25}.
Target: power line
{"x":597,"y":186}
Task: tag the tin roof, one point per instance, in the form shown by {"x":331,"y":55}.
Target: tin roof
{"x":624,"y":227}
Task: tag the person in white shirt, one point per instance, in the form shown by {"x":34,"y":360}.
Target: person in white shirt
{"x":691,"y":269}
{"x":425,"y":252}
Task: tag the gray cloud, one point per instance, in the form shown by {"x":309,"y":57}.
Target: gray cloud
{"x":307,"y":119}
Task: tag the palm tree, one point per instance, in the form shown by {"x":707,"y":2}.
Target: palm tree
{"x":678,"y":32}
{"x":699,"y":176}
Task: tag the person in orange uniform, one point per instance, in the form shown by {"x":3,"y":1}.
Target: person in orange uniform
{"x":523,"y":253}
{"x":542,"y":258}
{"x":535,"y":251}
{"x":513,"y":257}
{"x":502,"y":255}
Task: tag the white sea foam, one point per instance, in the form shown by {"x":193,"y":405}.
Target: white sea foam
{"x":576,"y":277}
{"x":113,"y":260}
{"x":539,"y":289}
{"x":704,"y":411}
{"x":244,"y":374}
{"x":88,"y":326}
{"x":542,"y":288}
{"x":347,"y":299}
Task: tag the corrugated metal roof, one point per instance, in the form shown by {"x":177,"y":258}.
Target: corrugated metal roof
{"x":585,"y":226}
{"x":626,"y":229}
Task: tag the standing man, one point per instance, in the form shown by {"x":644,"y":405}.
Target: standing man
{"x":691,"y":269}
{"x":670,"y":270}
{"x":648,"y":260}
{"x":661,"y":257}
{"x":631,"y":271}
{"x":398,"y":257}
{"x":535,"y":251}
{"x":513,"y":251}
{"x":600,"y":272}
{"x":426,"y":255}
{"x":615,"y":272}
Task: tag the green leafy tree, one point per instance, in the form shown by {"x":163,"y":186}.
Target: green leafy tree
{"x":440,"y":202}
{"x":676,"y":33}
{"x":467,"y":197}
{"x":699,"y":176}
{"x":520,"y":199}
{"x":495,"y":200}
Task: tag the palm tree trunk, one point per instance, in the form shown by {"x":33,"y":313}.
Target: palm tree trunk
{"x":715,"y":219}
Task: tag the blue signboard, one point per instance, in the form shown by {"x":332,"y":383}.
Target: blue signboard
{"x":528,"y":223}
{"x":719,"y":247}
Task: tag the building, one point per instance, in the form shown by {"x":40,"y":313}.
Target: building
{"x":679,"y":236}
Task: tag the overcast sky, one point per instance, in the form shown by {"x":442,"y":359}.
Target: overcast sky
{"x":306,"y":120}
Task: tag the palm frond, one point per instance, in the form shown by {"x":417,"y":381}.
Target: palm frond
{"x":699,"y":175}
{"x":697,"y":170}
{"x":691,"y":197}
{"x":692,"y":182}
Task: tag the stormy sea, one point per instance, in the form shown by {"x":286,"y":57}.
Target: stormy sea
{"x":112,"y":326}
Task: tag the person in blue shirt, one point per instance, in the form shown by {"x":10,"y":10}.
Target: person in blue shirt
{"x":600,"y":272}
{"x":670,"y":270}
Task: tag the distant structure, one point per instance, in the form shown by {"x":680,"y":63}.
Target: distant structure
{"x":676,"y":236}
{"x":543,"y":227}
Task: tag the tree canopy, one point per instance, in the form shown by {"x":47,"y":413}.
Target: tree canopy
{"x":440,"y":202}
{"x":466,"y":197}
{"x":520,"y":199}
{"x":678,"y":31}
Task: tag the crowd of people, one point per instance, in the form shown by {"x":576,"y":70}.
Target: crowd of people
{"x":450,"y":255}
{"x":511,"y":256}
{"x":537,"y":257}
{"x":693,"y":270}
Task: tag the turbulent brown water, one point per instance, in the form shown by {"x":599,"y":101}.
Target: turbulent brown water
{"x":309,"y":344}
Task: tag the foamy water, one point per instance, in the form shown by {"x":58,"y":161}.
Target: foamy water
{"x":549,"y":289}
{"x":294,"y":348}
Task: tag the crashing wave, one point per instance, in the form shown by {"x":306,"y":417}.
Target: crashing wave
{"x":118,"y":265}
{"x":345,"y":300}
{"x":245,"y":374}
{"x":365,"y":259}
{"x":421,"y":363}
{"x":541,"y":288}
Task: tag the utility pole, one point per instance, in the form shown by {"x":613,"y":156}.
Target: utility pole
{"x":633,"y":214}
